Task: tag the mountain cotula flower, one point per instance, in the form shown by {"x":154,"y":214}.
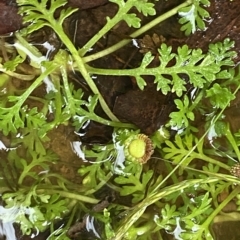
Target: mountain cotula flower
{"x":138,"y":148}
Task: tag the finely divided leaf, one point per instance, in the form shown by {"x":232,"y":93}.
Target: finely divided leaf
{"x":132,"y":20}
{"x":219,"y":96}
{"x":193,"y":16}
{"x":146,"y":8}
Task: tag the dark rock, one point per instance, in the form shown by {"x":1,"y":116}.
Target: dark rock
{"x":148,"y":109}
{"x":10,"y":20}
{"x":85,"y":4}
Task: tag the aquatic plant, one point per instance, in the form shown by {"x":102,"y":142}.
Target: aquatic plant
{"x":182,"y":198}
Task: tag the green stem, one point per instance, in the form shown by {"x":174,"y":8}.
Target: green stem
{"x":146,"y":228}
{"x":197,"y":100}
{"x":140,"y":208}
{"x":106,"y":122}
{"x":35,"y":84}
{"x":140,"y":71}
{"x":137,"y":33}
{"x":175,"y":180}
{"x":220,"y":207}
{"x":232,"y":141}
{"x":57,"y":177}
{"x":34,"y":51}
{"x":211,"y":160}
{"x":83,"y":112}
{"x":17,"y":75}
{"x":69,"y":195}
{"x":81,"y":67}
{"x":108,"y":26}
{"x":100,"y":185}
{"x":58,"y":101}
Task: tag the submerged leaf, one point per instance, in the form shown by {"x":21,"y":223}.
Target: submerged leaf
{"x":193,"y":16}
{"x":132,"y":20}
{"x":219,"y":96}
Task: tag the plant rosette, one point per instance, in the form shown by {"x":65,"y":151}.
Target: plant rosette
{"x":138,"y":148}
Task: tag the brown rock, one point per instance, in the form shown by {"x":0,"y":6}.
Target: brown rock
{"x":85,"y":4}
{"x":10,"y":20}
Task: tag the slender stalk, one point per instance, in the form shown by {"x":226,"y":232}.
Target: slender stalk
{"x":213,"y":161}
{"x":108,"y":26}
{"x":153,"y":71}
{"x":231,"y":139}
{"x":23,"y":77}
{"x":137,"y":33}
{"x":220,"y":207}
{"x":140,"y":208}
{"x":69,"y":195}
{"x":82,"y":68}
{"x":90,"y":115}
{"x":35,"y":84}
{"x":58,"y":101}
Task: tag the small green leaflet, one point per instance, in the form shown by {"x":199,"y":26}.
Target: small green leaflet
{"x":181,"y":118}
{"x":193,"y":16}
{"x":219,"y":96}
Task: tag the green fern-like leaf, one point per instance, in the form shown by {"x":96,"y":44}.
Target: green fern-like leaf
{"x":39,"y":15}
{"x":219,"y":97}
{"x":193,"y":16}
{"x":181,"y":118}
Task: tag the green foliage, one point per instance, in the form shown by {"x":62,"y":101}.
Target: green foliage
{"x":182,"y":148}
{"x":100,"y":159}
{"x":176,"y":69}
{"x":191,"y":215}
{"x":134,"y":184}
{"x":145,"y":8}
{"x":193,"y":16}
{"x":180,"y":202}
{"x":181,"y":118}
{"x":130,"y":18}
{"x":219,"y":96}
{"x":11,"y":117}
{"x":39,"y":15}
{"x":31,"y":210}
{"x":12,"y":64}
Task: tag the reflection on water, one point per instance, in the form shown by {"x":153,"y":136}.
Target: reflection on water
{"x":7,"y":231}
{"x":90,"y":226}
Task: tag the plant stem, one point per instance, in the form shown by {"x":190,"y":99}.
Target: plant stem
{"x":137,"y":33}
{"x":58,"y":101}
{"x":211,"y":160}
{"x":221,"y":206}
{"x":139,"y":209}
{"x":23,"y":77}
{"x":123,"y":9}
{"x":140,"y":71}
{"x":81,"y":67}
{"x":35,"y":84}
{"x":69,"y":195}
{"x":82,"y":112}
{"x":232,"y":141}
